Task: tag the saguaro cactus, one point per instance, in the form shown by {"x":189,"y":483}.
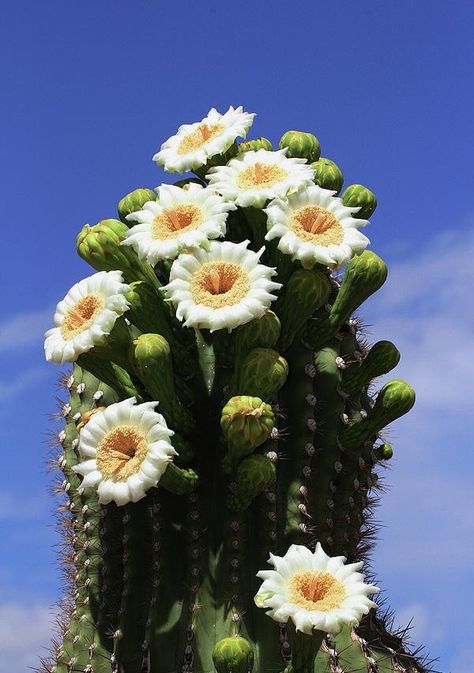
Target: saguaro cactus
{"x":221,"y":410}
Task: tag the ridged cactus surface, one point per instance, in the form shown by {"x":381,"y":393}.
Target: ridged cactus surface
{"x":221,"y":409}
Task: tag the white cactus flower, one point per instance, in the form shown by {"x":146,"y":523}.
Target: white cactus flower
{"x":314,"y":226}
{"x":126,"y":449}
{"x":221,"y":288}
{"x":314,"y":590}
{"x":254,"y":177}
{"x":86,"y":315}
{"x":180,"y":219}
{"x":194,"y":144}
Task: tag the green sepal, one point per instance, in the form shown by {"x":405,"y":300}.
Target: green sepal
{"x":300,"y":144}
{"x":233,"y":655}
{"x":246,"y":423}
{"x":255,"y":475}
{"x":304,"y":649}
{"x":328,"y":174}
{"x":262,"y":374}
{"x":305,"y":292}
{"x":134,"y":201}
{"x":151,"y":358}
{"x":395,"y":399}
{"x":358,"y":196}
{"x":254,"y":145}
{"x":179,"y":481}
{"x":364,"y":275}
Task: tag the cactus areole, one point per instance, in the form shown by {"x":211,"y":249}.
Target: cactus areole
{"x":223,"y":442}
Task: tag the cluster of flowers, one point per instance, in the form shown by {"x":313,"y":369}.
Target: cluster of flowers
{"x":215,"y":285}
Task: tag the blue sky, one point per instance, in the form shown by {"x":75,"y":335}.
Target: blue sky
{"x":89,"y":92}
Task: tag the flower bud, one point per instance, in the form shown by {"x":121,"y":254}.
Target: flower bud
{"x":300,"y":144}
{"x":262,"y":374}
{"x":246,"y":423}
{"x":328,"y":174}
{"x":361,"y":197}
{"x":233,"y":655}
{"x":134,"y":201}
{"x":255,"y":145}
{"x":254,"y":475}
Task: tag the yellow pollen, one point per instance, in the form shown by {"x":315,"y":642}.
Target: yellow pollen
{"x":173,"y":220}
{"x":81,"y":316}
{"x":121,"y":452}
{"x":317,"y":225}
{"x":193,"y":141}
{"x":260,"y":175}
{"x":219,"y":284}
{"x":316,"y":590}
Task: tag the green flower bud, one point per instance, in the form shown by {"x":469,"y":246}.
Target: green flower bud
{"x":361,"y":197}
{"x":328,"y":174}
{"x":301,"y":144}
{"x":151,"y":358}
{"x":246,"y":423}
{"x":100,"y":247}
{"x":179,"y":481}
{"x":262,"y":374}
{"x":134,"y":201}
{"x":233,"y":655}
{"x":255,"y":145}
{"x":305,"y":292}
{"x":255,"y":475}
{"x":258,"y":333}
{"x":385,"y":451}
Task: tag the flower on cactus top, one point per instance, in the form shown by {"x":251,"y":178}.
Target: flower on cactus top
{"x":222,"y":287}
{"x":86,"y":315}
{"x":126,"y":449}
{"x":179,"y":219}
{"x":314,"y":226}
{"x":314,"y":590}
{"x":194,"y":144}
{"x":254,"y":177}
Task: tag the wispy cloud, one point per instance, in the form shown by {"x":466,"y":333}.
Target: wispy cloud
{"x":25,"y":634}
{"x":23,"y":381}
{"x":24,"y":329}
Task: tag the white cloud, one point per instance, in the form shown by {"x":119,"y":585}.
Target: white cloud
{"x":24,"y":329}
{"x":25,"y":634}
{"x":426,"y":309}
{"x":22,"y":382}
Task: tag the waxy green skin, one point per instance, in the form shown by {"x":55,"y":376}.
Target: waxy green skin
{"x":168,"y":583}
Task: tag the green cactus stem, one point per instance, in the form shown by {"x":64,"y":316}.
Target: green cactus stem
{"x":277,"y":441}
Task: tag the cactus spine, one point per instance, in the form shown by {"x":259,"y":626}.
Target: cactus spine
{"x":278,"y":443}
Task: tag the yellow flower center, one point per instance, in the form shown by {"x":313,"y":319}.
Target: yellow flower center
{"x":317,"y":225}
{"x":218,"y":284}
{"x":173,"y":220}
{"x":316,"y":590}
{"x":81,"y":316}
{"x":260,"y":175}
{"x":121,"y":452}
{"x":199,"y":137}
